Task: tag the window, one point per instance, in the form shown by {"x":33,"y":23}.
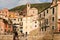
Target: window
{"x":46,"y":21}
{"x":52,"y":18}
{"x":21,"y":31}
{"x":40,"y":15}
{"x":21,"y":19}
{"x":18,"y":29}
{"x":26,"y":33}
{"x":44,"y":13}
{"x":47,"y":11}
{"x":35,"y":25}
{"x":21,"y":27}
{"x":5,"y":30}
{"x":45,"y":28}
{"x":14,"y":19}
{"x":21,"y":24}
{"x":53,"y":27}
{"x":53,"y":11}
{"x":18,"y":19}
{"x":35,"y":21}
{"x":24,"y":15}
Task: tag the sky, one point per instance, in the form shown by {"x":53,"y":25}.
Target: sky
{"x":13,"y":3}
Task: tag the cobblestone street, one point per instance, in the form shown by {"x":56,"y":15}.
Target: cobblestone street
{"x":38,"y":35}
{"x":35,"y":35}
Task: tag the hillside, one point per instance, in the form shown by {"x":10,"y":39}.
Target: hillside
{"x":40,"y":7}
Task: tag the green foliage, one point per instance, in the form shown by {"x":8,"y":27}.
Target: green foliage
{"x":40,"y":6}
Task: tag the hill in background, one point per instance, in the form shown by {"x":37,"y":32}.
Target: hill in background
{"x":39,"y":6}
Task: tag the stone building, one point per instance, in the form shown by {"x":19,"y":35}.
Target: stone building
{"x":30,"y":21}
{"x":25,"y":23}
{"x":5,"y":26}
{"x":50,"y":17}
{"x":6,"y":37}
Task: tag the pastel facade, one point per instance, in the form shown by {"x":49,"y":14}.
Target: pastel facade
{"x":2,"y":27}
{"x":5,"y":23}
{"x":25,"y":24}
{"x":29,"y":24}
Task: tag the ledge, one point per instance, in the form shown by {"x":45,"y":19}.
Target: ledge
{"x":56,"y":32}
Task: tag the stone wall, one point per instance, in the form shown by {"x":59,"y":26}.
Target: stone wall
{"x":6,"y":37}
{"x":56,"y":37}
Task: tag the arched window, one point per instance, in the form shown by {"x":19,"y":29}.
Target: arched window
{"x":53,"y":19}
{"x":35,"y":21}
